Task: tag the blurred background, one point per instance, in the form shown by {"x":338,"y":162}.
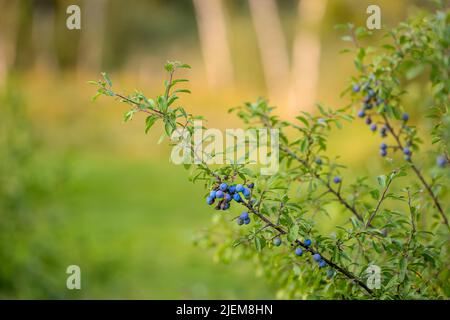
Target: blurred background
{"x":79,"y":186}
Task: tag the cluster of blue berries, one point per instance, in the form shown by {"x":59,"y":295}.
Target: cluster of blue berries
{"x":224,"y":193}
{"x":369,"y":100}
{"x":243,"y":219}
{"x":316,"y":257}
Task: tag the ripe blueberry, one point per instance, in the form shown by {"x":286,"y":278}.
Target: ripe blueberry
{"x":276,"y":242}
{"x":212,"y":194}
{"x":239,"y":221}
{"x":322,"y":263}
{"x":337,"y":179}
{"x":223,"y":186}
{"x":239,"y":188}
{"x":246,"y":193}
{"x":356,"y":88}
{"x":318,"y":161}
{"x":383,"y":152}
{"x":247,"y":221}
{"x":232,"y":189}
{"x":371,"y":93}
{"x":407,"y":151}
{"x":251,"y":185}
{"x":226,"y":206}
{"x":227,"y":197}
{"x":219,"y":194}
{"x":244,"y":215}
{"x":368,"y":120}
{"x":236,"y":197}
{"x":383,"y":146}
{"x":209,"y":200}
{"x":368,"y":106}
{"x":441,"y":161}
{"x":298,"y":251}
{"x":373,"y":127}
{"x":361,"y":114}
{"x":307,"y":242}
{"x":317,"y":257}
{"x":405,"y":117}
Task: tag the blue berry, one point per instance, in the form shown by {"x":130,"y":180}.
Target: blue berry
{"x":383,"y":133}
{"x":383,"y":152}
{"x":405,"y":117}
{"x":247,"y":221}
{"x":227,"y":197}
{"x":219,"y":194}
{"x":276,"y":242}
{"x":361,"y":114}
{"x":226,"y":206}
{"x":232,"y":189}
{"x":212,"y":194}
{"x":317,"y":257}
{"x":322,"y":263}
{"x":383,"y":146}
{"x":236,"y":197}
{"x":223,"y":186}
{"x":407,"y":151}
{"x":318,"y":161}
{"x":368,"y":106}
{"x":368,"y":120}
{"x":307,"y":242}
{"x":441,"y":161}
{"x":246,"y":193}
{"x":244,"y":215}
{"x":337,"y":179}
{"x":373,"y":127}
{"x":239,"y":188}
{"x":298,"y":251}
{"x":356,"y":88}
{"x":371,"y":93}
{"x":209,"y":200}
{"x":239,"y":221}
{"x":251,"y":185}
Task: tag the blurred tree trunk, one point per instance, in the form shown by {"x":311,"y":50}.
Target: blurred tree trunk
{"x":272,"y":47}
{"x":92,"y":36}
{"x":213,"y":40}
{"x":43,"y":35}
{"x":8,"y":37}
{"x":306,"y":55}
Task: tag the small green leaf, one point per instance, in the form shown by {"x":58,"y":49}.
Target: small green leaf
{"x":149,"y":122}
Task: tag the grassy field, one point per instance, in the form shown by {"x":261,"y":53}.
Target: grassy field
{"x":130,"y":227}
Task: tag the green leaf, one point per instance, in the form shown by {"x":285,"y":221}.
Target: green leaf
{"x":149,"y":122}
{"x":162,"y":103}
{"x":128,"y":115}
{"x":182,"y":90}
{"x":382,"y":180}
{"x":107,"y":79}
{"x":293,"y":232}
{"x":260,"y":243}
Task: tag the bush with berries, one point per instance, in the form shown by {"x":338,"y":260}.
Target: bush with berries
{"x":392,"y":227}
